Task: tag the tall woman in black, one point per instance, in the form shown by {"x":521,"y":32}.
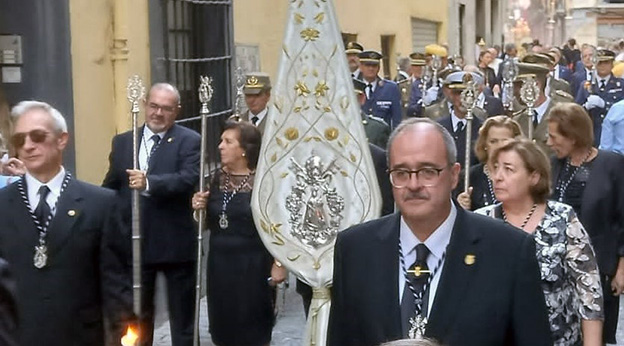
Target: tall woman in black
{"x":241,"y":272}
{"x":493,"y":134}
{"x":592,"y":182}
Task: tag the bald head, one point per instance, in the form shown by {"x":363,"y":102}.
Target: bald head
{"x":425,"y":125}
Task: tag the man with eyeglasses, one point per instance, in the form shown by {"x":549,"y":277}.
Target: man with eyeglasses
{"x":63,"y":241}
{"x":434,"y":269}
{"x":168,"y":173}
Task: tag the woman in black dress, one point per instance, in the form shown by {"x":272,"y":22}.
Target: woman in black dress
{"x":489,"y":75}
{"x":493,"y":134}
{"x":242,"y":274}
{"x":592,"y":182}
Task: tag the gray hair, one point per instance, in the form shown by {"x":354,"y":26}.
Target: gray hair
{"x":449,"y":142}
{"x":509,"y":47}
{"x":165,"y":86}
{"x":23,"y":107}
{"x":411,"y":342}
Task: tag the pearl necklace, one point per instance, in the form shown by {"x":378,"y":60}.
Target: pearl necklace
{"x":563,"y":186}
{"x":526,"y":220}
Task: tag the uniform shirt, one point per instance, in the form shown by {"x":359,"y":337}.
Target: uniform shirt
{"x":612,"y":137}
{"x":55,"y":184}
{"x":541,"y":110}
{"x":455,"y":120}
{"x":436,"y":243}
{"x":260,"y":116}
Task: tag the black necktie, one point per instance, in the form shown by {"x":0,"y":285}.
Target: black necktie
{"x":156,"y":140}
{"x":42,"y":212}
{"x":254,"y":120}
{"x":603,"y":84}
{"x":535,"y":120}
{"x":418,"y":280}
{"x":369,"y":90}
{"x":460,"y":127}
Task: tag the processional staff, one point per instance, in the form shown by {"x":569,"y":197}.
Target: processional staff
{"x":468,"y":100}
{"x":205,"y":95}
{"x":136,"y":92}
{"x":509,"y":74}
{"x":436,"y":64}
{"x":589,"y":84}
{"x":529,"y":94}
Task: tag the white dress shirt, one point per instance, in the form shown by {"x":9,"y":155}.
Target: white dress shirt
{"x":145,"y":147}
{"x":55,"y":184}
{"x":541,"y":110}
{"x":456,"y":120}
{"x":260,"y":116}
{"x":436,"y":243}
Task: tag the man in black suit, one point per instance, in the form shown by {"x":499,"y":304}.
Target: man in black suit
{"x":474,"y":281}
{"x":63,"y":241}
{"x":8,"y":306}
{"x":169,"y":171}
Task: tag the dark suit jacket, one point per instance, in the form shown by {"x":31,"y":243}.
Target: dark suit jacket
{"x":565,"y":73}
{"x":381,"y":170}
{"x":495,"y":301}
{"x":8,"y":307}
{"x":460,"y":139}
{"x":578,"y":80}
{"x":493,"y":106}
{"x":602,"y":207}
{"x":88,"y":271}
{"x":385,"y":103}
{"x":168,"y":229}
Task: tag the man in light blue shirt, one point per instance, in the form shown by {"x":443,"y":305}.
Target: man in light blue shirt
{"x":612,"y":137}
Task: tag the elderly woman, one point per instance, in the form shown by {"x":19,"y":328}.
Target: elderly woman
{"x":570,"y":278}
{"x":241,"y":272}
{"x":493,"y":134}
{"x":592,"y":182}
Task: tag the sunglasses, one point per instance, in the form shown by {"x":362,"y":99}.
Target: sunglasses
{"x":36,"y":136}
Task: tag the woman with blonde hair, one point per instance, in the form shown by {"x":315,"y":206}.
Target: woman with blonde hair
{"x":569,"y":271}
{"x":494,"y":133}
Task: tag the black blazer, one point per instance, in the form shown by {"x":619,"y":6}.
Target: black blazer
{"x":88,"y":272}
{"x":381,"y":169}
{"x":460,"y":139}
{"x":602,"y":208}
{"x":495,"y":301}
{"x":8,"y":307}
{"x":168,"y":229}
{"x":493,"y":106}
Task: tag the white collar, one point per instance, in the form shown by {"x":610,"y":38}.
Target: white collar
{"x":456,"y":120}
{"x":606,"y":79}
{"x":437,"y":241}
{"x":55,"y":184}
{"x":148,"y":133}
{"x":541,"y":109}
{"x":260,"y":115}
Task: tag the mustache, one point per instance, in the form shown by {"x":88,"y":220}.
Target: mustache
{"x":418,"y":195}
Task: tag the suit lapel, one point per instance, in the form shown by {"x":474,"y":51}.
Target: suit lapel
{"x":389,"y":274}
{"x":456,"y":276}
{"x":21,"y":220}
{"x":68,"y":210}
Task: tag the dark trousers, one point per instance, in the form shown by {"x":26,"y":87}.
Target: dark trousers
{"x":305,"y":292}
{"x":180,"y":280}
{"x":611,"y":311}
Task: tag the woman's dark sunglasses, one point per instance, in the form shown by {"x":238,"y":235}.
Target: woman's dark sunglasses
{"x":37,"y":136}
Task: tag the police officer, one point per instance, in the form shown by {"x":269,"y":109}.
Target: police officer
{"x":414,"y":90}
{"x":377,"y":130}
{"x":602,"y":93}
{"x":352,"y":50}
{"x":383,"y":99}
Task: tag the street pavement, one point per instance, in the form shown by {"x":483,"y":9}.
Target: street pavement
{"x":288,"y":330}
{"x":290,"y":322}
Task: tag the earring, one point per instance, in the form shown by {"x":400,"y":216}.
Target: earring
{"x":243,"y":154}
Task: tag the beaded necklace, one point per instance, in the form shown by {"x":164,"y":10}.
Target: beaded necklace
{"x":227,"y":197}
{"x":562,"y":187}
{"x":526,"y":220}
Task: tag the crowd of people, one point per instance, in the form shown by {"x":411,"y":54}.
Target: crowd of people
{"x":511,"y":233}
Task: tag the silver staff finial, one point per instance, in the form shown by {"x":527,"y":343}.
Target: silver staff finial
{"x":205,"y":93}
{"x":136,"y":91}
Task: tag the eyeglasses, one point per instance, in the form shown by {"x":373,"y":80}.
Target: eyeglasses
{"x":427,"y":176}
{"x":164,"y":109}
{"x":37,"y":136}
